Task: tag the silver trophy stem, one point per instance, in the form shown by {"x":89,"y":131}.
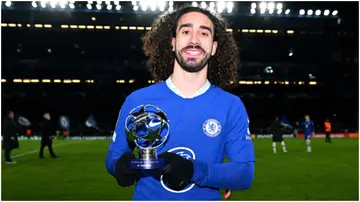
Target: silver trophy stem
{"x":147,"y":154}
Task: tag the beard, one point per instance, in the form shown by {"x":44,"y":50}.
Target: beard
{"x":191,"y":64}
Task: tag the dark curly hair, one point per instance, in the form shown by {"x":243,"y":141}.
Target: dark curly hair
{"x":222,"y":67}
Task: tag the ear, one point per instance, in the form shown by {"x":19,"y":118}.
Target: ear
{"x":173,"y":44}
{"x":214,"y":47}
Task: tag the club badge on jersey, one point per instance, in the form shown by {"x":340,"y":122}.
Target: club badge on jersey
{"x":212,"y":127}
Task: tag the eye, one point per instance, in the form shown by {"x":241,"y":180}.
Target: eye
{"x":205,"y":34}
{"x":185,"y":32}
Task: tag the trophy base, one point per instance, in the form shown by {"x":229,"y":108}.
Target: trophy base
{"x":147,"y":164}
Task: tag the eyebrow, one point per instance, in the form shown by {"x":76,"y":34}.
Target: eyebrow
{"x":191,"y":25}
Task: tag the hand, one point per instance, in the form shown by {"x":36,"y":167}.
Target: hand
{"x":124,"y":175}
{"x":313,"y":134}
{"x":178,"y":171}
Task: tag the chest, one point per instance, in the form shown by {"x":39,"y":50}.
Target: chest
{"x":196,"y":132}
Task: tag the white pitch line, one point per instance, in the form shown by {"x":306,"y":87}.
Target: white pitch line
{"x":35,"y":151}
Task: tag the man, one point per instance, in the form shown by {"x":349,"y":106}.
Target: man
{"x":327,"y":125}
{"x":277,"y":134}
{"x":47,"y":134}
{"x":191,"y":50}
{"x":309,"y":131}
{"x":10,"y":140}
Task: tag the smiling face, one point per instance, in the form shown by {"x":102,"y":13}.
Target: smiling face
{"x":194,"y":44}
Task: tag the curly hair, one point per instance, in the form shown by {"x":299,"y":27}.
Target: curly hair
{"x":222,"y":67}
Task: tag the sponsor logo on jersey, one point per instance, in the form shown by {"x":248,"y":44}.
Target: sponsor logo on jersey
{"x":185,"y":153}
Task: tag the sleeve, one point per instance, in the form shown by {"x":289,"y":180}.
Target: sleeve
{"x":238,"y":173}
{"x":119,"y":144}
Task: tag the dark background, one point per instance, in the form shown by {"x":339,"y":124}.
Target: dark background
{"x":324,"y":47}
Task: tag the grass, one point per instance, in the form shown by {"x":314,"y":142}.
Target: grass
{"x":330,"y":172}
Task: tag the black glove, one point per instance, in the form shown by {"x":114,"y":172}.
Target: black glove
{"x":178,"y":171}
{"x":124,"y":175}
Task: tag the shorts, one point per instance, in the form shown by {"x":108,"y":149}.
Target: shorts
{"x":277,"y":138}
{"x":307,"y":137}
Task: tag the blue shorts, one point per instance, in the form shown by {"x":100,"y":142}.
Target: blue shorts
{"x":307,"y":137}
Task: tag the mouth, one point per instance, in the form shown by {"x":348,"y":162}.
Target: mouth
{"x":193,"y":53}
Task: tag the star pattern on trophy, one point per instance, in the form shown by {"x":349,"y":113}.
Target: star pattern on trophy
{"x":147,"y":126}
{"x":153,"y":135}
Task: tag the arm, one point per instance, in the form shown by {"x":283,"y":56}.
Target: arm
{"x":119,"y":144}
{"x":238,"y":174}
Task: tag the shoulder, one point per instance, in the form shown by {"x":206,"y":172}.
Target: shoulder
{"x":233,"y":101}
{"x":233,"y":107}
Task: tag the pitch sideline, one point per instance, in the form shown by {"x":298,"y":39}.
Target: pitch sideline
{"x":35,"y":151}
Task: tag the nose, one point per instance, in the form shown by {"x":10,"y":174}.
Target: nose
{"x":194,"y":40}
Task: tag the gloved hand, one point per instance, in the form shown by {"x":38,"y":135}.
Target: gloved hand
{"x":125,"y":176}
{"x":178,"y":171}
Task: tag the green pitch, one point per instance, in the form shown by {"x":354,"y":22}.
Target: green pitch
{"x":330,"y":172}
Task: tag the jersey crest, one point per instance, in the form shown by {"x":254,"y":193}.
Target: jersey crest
{"x":185,"y":153}
{"x":212,"y":127}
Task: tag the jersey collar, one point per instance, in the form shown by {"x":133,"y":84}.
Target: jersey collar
{"x":173,"y":88}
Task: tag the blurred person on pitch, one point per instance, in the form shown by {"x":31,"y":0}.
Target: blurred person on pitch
{"x":9,"y":133}
{"x":327,"y":125}
{"x":309,"y":131}
{"x":48,"y":132}
{"x":277,"y":134}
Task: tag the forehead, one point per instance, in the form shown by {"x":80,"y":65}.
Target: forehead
{"x":197,"y":19}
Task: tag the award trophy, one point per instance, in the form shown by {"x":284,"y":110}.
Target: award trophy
{"x":148,"y":128}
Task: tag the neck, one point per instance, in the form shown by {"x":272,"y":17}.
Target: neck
{"x":188,"y":83}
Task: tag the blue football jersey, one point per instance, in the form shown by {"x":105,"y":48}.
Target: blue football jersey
{"x":203,"y":129}
{"x":309,"y":127}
